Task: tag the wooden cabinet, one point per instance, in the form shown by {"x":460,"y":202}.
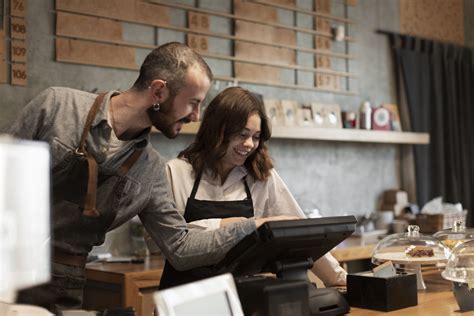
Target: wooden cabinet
{"x":111,"y":285}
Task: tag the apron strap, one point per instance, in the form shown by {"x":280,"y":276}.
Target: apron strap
{"x":128,"y":164}
{"x":195,"y":187}
{"x":91,"y":195}
{"x":90,"y":118}
{"x":90,"y":198}
{"x":247,"y":189}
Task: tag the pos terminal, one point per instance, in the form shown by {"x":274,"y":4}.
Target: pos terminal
{"x":288,"y":249}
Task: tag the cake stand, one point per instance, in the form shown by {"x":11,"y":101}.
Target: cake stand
{"x":415,"y":263}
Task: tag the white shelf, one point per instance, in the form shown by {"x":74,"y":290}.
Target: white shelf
{"x":341,"y":135}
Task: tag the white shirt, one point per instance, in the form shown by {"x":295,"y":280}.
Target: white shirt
{"x":270,"y":198}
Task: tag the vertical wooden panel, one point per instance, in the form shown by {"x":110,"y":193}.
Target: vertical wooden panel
{"x":322,"y":6}
{"x":256,"y":11}
{"x":19,"y":74}
{"x":91,"y":53}
{"x":127,"y":10}
{"x":81,"y":26}
{"x":150,"y":13}
{"x":265,"y":33}
{"x":258,"y":52}
{"x":437,"y":19}
{"x":265,"y":53}
{"x":3,"y":65}
{"x":257,"y":73}
{"x":18,"y":8}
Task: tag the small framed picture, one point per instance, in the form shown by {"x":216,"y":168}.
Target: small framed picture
{"x":289,"y":112}
{"x":304,"y":115}
{"x":394,"y":116}
{"x":274,"y":111}
{"x":326,"y":115}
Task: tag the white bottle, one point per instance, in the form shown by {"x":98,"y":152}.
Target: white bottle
{"x":365,"y":120}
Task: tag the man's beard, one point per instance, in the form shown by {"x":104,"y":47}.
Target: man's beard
{"x":163,"y":120}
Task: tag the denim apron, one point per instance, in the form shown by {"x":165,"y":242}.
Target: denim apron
{"x":202,"y":209}
{"x":79,"y":221}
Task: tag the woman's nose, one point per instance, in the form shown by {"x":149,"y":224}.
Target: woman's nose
{"x":249,"y":142}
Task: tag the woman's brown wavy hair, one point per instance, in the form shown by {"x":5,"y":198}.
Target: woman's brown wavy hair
{"x":225,"y":117}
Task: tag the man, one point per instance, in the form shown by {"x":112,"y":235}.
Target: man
{"x":105,"y":171}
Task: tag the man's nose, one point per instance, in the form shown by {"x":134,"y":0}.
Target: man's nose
{"x":194,"y":115}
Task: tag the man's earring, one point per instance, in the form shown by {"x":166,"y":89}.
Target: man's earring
{"x":156,"y":106}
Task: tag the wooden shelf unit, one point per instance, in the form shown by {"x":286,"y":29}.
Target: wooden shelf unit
{"x":332,"y":134}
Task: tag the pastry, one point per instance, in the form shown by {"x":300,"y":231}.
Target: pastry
{"x":419,"y":251}
{"x":451,"y":243}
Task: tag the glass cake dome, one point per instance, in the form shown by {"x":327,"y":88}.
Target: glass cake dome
{"x":460,"y":270}
{"x":456,"y":235}
{"x":410,"y":247}
{"x":460,"y":265}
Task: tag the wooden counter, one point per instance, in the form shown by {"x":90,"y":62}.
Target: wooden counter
{"x":126,"y":284}
{"x":122,"y":285}
{"x":437,"y":299}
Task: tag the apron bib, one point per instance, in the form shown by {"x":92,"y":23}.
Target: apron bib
{"x":80,"y":221}
{"x":202,"y":209}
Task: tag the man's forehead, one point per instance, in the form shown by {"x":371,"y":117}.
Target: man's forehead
{"x":196,"y":81}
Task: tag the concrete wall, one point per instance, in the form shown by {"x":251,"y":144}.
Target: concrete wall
{"x":337,"y":178}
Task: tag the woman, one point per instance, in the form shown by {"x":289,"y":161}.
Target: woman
{"x":227,"y":174}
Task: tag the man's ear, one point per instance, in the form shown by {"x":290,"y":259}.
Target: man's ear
{"x":159,"y":90}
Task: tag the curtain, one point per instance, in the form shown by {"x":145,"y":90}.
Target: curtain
{"x":437,"y":82}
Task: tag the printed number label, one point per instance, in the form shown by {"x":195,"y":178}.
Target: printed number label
{"x":18,"y":50}
{"x":198,"y":21}
{"x":19,"y":74}
{"x":18,"y":8}
{"x":198,"y":43}
{"x":18,"y":28}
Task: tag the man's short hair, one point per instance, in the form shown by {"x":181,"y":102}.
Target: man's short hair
{"x":170,"y":62}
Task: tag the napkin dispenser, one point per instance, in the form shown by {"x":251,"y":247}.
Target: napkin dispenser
{"x":382,"y":293}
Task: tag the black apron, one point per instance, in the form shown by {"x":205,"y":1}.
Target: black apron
{"x":201,"y":209}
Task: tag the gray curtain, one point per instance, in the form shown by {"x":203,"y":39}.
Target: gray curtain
{"x":437,"y":82}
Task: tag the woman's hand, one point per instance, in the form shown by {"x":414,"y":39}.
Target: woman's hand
{"x":260,"y":221}
{"x":230,"y":220}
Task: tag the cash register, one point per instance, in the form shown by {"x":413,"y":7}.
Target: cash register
{"x":287,"y":249}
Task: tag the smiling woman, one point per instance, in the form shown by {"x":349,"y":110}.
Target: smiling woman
{"x":231,"y":118}
{"x":227,"y":174}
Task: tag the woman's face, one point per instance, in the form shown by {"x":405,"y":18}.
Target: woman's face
{"x":243,"y":144}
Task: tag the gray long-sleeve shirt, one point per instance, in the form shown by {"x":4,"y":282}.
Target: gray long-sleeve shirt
{"x":57,"y":116}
